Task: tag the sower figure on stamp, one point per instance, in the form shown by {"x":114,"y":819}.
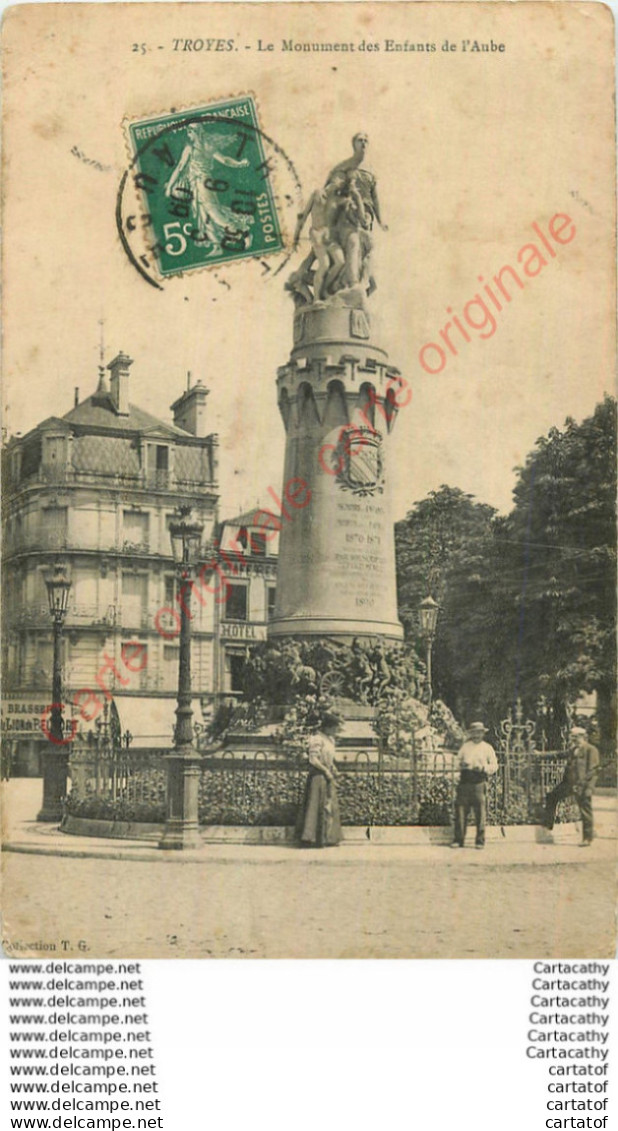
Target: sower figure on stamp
{"x":477,"y":762}
{"x":579,"y":780}
{"x":194,"y":182}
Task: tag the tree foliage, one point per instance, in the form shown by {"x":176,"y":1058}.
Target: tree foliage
{"x":528,"y":605}
{"x":442,"y":549}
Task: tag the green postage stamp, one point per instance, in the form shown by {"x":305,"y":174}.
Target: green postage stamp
{"x":207,"y":185}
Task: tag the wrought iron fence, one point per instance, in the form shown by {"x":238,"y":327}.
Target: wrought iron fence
{"x":117,"y":784}
{"x":263,"y":788}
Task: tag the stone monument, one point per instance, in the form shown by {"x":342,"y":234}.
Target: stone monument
{"x":338,"y":397}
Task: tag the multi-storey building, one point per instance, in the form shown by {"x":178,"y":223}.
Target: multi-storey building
{"x":251,"y":574}
{"x":96,"y":489}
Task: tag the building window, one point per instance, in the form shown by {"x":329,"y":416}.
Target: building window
{"x":158,"y":458}
{"x":31,"y":457}
{"x":170,"y":667}
{"x":134,"y":599}
{"x":236,"y":662}
{"x":54,"y":526}
{"x":135,"y":530}
{"x":258,"y":543}
{"x":171,"y":590}
{"x":236,"y":604}
{"x":271,"y":593}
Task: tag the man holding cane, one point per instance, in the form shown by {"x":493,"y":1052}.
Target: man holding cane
{"x":578,"y":782}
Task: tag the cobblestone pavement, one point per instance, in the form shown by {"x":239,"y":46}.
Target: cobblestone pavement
{"x":385,"y":907}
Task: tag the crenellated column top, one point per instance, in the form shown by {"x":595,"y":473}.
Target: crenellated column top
{"x":353,"y":371}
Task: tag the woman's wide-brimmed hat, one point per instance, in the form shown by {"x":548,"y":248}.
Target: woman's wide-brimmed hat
{"x":331,"y":719}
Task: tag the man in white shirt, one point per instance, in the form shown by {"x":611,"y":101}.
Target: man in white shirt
{"x":477,"y":761}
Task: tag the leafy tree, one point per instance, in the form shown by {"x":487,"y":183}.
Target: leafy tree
{"x":528,"y":602}
{"x":442,"y":548}
{"x":556,"y":594}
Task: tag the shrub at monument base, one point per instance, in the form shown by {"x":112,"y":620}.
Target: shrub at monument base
{"x":257,"y":797}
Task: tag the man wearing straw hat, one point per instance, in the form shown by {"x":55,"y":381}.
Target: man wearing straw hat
{"x":477,"y":761}
{"x":578,"y":782}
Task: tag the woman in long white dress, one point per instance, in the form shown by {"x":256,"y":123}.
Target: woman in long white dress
{"x":319,"y":823}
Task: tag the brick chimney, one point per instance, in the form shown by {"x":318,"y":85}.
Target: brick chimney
{"x":190,"y":409}
{"x":119,"y":383}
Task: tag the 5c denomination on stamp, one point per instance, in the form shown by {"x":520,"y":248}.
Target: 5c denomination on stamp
{"x":206,"y":183}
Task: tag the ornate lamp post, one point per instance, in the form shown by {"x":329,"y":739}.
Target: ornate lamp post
{"x":428,"y":615}
{"x":181,"y":823}
{"x":56,"y":758}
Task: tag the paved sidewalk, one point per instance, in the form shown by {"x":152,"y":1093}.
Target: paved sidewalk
{"x":514,"y":845}
{"x":73,"y":895}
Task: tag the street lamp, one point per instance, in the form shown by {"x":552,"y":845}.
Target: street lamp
{"x":428,"y":615}
{"x":181,"y":823}
{"x":55,"y":758}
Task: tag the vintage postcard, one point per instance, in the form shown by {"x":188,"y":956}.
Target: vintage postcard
{"x":309,"y":436}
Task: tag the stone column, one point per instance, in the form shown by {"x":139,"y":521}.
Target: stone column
{"x":338,"y":397}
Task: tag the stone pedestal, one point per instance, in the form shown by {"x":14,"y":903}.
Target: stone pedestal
{"x":55,"y":765}
{"x":183,"y":776}
{"x":338,"y":397}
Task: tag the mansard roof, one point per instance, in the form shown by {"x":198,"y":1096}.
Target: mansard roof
{"x":98,"y":412}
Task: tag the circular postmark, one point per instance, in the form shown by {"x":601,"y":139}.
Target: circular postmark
{"x":205,"y":187}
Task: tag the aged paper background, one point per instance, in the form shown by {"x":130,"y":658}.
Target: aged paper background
{"x":470,"y":149}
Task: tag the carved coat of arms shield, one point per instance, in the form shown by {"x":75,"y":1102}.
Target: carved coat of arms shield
{"x":359,"y":460}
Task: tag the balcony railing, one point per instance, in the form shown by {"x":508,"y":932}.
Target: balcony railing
{"x":87,"y":616}
{"x":162,"y":480}
{"x":41,"y":542}
{"x":155,"y":618}
{"x":131,"y":547}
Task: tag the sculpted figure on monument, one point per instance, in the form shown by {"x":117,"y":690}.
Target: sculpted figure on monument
{"x":366,"y":180}
{"x":338,"y":268}
{"x":323,"y":206}
{"x":382,"y":672}
{"x":352,"y":228}
{"x":363,"y":672}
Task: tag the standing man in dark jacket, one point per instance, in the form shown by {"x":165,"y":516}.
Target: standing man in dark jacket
{"x":578,"y":782}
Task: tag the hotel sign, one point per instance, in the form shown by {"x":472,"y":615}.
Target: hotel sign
{"x":239,"y":630}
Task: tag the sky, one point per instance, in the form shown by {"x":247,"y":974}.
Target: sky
{"x":469,"y":153}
